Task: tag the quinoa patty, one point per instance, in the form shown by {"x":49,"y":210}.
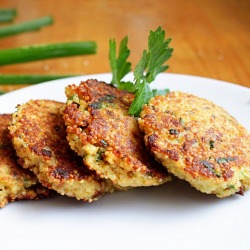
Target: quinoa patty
{"x":100,"y":130}
{"x":16,"y":183}
{"x":39,"y":137}
{"x":198,"y":141}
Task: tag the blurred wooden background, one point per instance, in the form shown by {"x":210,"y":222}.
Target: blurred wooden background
{"x":210,"y":38}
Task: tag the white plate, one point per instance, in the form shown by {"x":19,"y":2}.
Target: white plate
{"x":171,"y":216}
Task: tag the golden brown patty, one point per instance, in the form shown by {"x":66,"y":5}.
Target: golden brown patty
{"x":100,"y":129}
{"x":16,"y":183}
{"x":39,"y":137}
{"x":198,"y":141}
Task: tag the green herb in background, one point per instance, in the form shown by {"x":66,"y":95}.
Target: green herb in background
{"x":7,"y":15}
{"x":27,"y":26}
{"x":2,"y":92}
{"x":45,"y":51}
{"x":28,"y":79}
{"x":150,"y":65}
{"x":35,"y":52}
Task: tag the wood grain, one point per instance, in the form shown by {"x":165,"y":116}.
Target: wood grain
{"x":210,"y":38}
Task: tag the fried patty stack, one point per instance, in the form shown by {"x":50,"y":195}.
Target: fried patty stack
{"x":199,"y":142}
{"x":39,"y":137}
{"x":100,"y":130}
{"x":90,"y":146}
{"x":16,"y":183}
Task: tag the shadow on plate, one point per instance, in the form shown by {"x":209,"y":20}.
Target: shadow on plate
{"x":177,"y":196}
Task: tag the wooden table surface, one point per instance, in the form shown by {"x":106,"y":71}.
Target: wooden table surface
{"x":210,"y":38}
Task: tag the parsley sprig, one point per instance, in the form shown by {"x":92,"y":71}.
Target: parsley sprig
{"x":119,"y":66}
{"x":150,"y":65}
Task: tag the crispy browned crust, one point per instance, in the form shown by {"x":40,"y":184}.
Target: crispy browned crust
{"x":100,"y":129}
{"x":39,"y":136}
{"x":198,"y":141}
{"x":16,"y":183}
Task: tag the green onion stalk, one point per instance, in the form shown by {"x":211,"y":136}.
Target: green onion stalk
{"x":27,"y":26}
{"x":46,"y":51}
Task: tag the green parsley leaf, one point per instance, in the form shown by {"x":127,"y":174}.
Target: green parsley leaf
{"x":150,"y":65}
{"x":119,"y":66}
{"x":140,"y":68}
{"x":160,"y":91}
{"x":158,"y":53}
{"x":142,"y":95}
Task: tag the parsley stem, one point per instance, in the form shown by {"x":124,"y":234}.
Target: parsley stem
{"x":7,"y":15}
{"x":28,"y":79}
{"x":46,"y":51}
{"x":32,"y":25}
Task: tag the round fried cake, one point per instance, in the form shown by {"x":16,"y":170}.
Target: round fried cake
{"x":100,"y":130}
{"x":16,"y":183}
{"x":198,"y":141}
{"x":39,"y":137}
